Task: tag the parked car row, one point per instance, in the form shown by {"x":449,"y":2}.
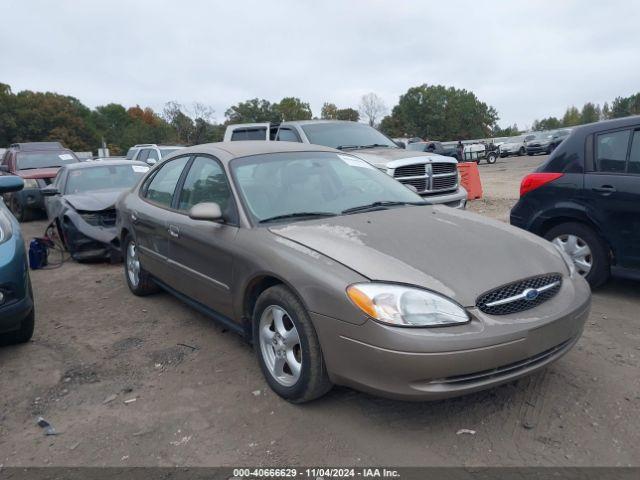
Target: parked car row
{"x":340,"y":275}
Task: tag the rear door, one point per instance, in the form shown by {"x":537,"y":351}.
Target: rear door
{"x":613,"y":190}
{"x":201,"y":251}
{"x":150,"y":217}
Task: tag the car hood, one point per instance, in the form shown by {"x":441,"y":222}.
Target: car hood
{"x":458,"y":254}
{"x":38,"y":172}
{"x":397,"y":157}
{"x":94,"y":201}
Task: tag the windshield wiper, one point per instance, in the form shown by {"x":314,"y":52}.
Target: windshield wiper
{"x":379,"y":205}
{"x":298,"y":215}
{"x":347,"y":147}
{"x":375,"y":145}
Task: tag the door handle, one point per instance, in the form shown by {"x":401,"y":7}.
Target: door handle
{"x":605,"y":189}
{"x":174,"y":231}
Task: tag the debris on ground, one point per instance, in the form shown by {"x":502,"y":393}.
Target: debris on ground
{"x":256,"y":393}
{"x":48,"y":428}
{"x":186,"y":345}
{"x":465,"y":431}
{"x":130,"y":400}
{"x":109,"y":399}
{"x":528,"y":425}
{"x":74,"y":446}
{"x":182,"y":441}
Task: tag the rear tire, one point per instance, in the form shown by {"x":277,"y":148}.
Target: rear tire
{"x":522,"y":151}
{"x":312,"y":381}
{"x":492,"y":158}
{"x":138,"y":279}
{"x":599,"y":257}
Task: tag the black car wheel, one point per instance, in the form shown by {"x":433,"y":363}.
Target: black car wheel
{"x":587,"y":250}
{"x":139,"y":280}
{"x":492,"y":158}
{"x":22,"y":213}
{"x":287,"y":347}
{"x":522,"y":151}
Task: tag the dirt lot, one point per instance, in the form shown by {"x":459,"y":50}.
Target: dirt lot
{"x":200,"y":398}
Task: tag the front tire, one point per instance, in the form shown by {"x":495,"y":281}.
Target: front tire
{"x":20,"y":211}
{"x":586,"y":248}
{"x":287,"y":347}
{"x":139,"y":280}
{"x":522,"y":151}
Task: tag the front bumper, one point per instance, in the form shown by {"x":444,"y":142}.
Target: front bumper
{"x":538,"y":149}
{"x":89,"y":242}
{"x":13,"y":314}
{"x":457,"y":199}
{"x":435,"y":363}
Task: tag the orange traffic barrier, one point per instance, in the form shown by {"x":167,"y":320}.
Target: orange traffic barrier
{"x":470,"y":179}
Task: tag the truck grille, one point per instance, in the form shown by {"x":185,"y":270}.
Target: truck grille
{"x":428,"y":178}
{"x":512,"y":298}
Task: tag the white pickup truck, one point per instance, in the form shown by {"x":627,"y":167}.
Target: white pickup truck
{"x":434,"y":177}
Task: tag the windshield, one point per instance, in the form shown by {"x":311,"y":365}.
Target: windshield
{"x":165,"y":152}
{"x":345,"y":135}
{"x":418,"y":147}
{"x":104,"y":177}
{"x":57,"y":158}
{"x":277,"y":184}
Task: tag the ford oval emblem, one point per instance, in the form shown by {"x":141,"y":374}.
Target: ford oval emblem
{"x":530,"y":294}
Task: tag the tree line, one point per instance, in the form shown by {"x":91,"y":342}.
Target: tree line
{"x":428,"y":111}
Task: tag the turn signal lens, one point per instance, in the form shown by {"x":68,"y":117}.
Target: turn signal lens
{"x":361,"y":300}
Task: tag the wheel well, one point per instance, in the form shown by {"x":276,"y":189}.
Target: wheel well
{"x":123,"y":235}
{"x":253,"y":291}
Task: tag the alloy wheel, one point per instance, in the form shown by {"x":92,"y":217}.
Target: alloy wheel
{"x":280,"y":345}
{"x":578,"y":250}
{"x":133,"y":264}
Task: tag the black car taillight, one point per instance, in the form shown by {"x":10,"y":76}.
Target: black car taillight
{"x":536,"y":180}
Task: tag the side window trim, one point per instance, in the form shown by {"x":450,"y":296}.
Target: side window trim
{"x":176,"y":198}
{"x":143,"y":194}
{"x":596,"y":135}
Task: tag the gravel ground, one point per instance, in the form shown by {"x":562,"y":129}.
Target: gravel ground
{"x":148,"y":381}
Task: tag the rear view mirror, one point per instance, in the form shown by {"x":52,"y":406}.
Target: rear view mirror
{"x":49,"y":191}
{"x":208,"y":211}
{"x":10,"y":183}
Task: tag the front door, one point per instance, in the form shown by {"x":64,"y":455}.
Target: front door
{"x":150,"y":215}
{"x":613,"y":189}
{"x":201,"y":252}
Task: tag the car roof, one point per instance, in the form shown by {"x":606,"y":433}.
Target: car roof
{"x":607,"y":124}
{"x":102,"y":163}
{"x":313,"y":122}
{"x":229,"y":150}
{"x":33,"y":146}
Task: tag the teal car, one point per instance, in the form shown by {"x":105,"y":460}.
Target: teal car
{"x":17,"y":312}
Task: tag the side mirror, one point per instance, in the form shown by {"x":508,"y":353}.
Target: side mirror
{"x":208,"y":211}
{"x":4,"y":168}
{"x":400,"y":144}
{"x":10,"y":183}
{"x":151,"y":161}
{"x":49,"y":191}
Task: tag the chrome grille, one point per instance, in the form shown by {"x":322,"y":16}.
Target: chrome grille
{"x":444,"y":183}
{"x":440,"y":168}
{"x":496,"y":301}
{"x":419,"y":183}
{"x":410,"y":171}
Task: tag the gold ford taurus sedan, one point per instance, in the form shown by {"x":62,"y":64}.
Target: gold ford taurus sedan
{"x":338,"y":274}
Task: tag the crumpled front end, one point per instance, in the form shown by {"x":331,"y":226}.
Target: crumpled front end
{"x":91,"y":235}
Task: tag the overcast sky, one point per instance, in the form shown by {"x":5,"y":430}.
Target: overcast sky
{"x":529,"y":59}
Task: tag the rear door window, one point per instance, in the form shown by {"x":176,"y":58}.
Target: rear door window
{"x":142,"y":155}
{"x":611,"y":151}
{"x":163,"y":185}
{"x":249,"y":134}
{"x":287,"y":135}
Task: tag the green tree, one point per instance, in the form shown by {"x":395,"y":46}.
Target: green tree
{"x":549,"y":123}
{"x":350,"y":114}
{"x":292,"y":108}
{"x":252,"y":111}
{"x":571,"y":117}
{"x":329,"y":111}
{"x":440,"y":113}
{"x":590,"y":113}
{"x":606,"y":111}
{"x":8,"y":126}
{"x":510,"y":131}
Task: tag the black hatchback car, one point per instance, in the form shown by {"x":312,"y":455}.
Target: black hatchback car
{"x":586,"y":199}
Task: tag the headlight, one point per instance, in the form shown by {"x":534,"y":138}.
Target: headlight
{"x":5,"y":226}
{"x":567,"y":260}
{"x":406,"y":306}
{"x":30,"y":183}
